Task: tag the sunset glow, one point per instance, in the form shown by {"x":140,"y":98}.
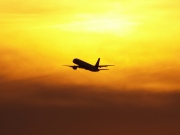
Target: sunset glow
{"x":135,"y":36}
{"x":141,"y":38}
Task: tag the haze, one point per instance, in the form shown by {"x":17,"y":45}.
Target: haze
{"x":140,"y":37}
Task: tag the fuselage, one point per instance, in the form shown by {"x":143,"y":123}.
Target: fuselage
{"x":85,"y":65}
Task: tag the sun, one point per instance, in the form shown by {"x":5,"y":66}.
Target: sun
{"x":106,"y":24}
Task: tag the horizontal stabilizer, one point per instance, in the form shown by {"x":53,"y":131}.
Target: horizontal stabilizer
{"x":103,"y":69}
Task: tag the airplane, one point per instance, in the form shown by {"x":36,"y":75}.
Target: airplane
{"x":82,"y":64}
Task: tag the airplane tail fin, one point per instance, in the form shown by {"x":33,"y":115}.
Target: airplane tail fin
{"x":97,"y":63}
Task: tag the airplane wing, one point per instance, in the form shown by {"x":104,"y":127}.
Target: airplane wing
{"x":71,"y":66}
{"x":104,"y":65}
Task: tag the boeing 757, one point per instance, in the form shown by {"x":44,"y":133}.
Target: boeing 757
{"x":82,"y":64}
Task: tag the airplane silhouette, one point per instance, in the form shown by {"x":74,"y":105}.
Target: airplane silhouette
{"x":82,"y":64}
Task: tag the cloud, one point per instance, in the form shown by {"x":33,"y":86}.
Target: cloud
{"x":34,"y":107}
{"x":41,"y":91}
{"x":53,"y":6}
{"x":143,"y":98}
{"x":37,"y":106}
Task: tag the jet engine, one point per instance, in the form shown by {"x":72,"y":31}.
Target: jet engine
{"x":74,"y":67}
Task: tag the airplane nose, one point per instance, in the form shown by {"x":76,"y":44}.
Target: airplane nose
{"x":74,"y":60}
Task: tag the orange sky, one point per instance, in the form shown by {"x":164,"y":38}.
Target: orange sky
{"x":140,"y":37}
{"x":139,"y":95}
